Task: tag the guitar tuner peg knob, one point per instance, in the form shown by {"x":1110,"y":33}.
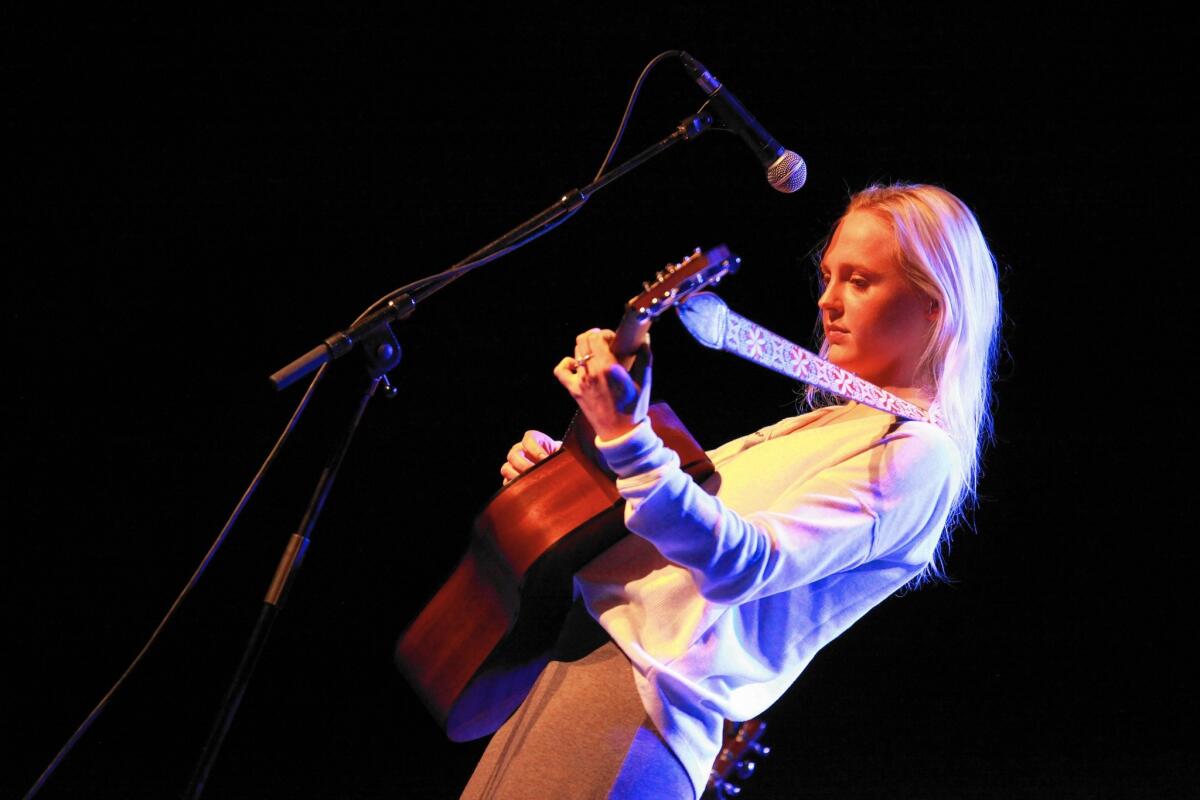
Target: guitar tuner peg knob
{"x":745,"y":769}
{"x":730,"y":789}
{"x":761,"y":749}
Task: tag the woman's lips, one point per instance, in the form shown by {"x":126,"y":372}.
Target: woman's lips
{"x":835,"y":335}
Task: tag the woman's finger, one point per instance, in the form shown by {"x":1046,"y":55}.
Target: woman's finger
{"x":583,"y":342}
{"x":519,"y":459}
{"x":534,"y":447}
{"x":570,"y":374}
{"x":640,"y":369}
{"x":537,"y":445}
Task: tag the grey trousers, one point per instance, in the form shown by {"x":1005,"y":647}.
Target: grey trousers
{"x":581,"y":734}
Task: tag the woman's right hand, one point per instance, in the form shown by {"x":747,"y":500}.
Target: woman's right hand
{"x":535,"y":446}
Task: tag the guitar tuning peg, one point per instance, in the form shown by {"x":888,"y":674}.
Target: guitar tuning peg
{"x":727,"y":789}
{"x":646,"y":286}
{"x":745,"y":769}
{"x":761,"y":749}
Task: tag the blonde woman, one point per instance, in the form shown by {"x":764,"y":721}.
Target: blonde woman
{"x":725,"y":592}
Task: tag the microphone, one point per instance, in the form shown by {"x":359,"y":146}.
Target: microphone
{"x":786,"y":171}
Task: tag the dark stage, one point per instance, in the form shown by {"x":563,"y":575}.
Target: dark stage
{"x":209,"y":197}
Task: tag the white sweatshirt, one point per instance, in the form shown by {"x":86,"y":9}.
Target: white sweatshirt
{"x":727,"y":591}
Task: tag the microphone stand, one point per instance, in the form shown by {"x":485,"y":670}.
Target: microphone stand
{"x":382,"y":352}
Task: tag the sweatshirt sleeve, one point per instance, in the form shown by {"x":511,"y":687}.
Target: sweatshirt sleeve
{"x":867,"y":506}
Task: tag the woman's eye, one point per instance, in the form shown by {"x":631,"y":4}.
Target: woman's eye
{"x":861,"y":283}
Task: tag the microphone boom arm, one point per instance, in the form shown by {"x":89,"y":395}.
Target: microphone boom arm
{"x":403,"y":302}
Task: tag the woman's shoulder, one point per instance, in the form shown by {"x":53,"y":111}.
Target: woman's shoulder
{"x":911,"y":447}
{"x":923,"y":432}
{"x":854,"y":427}
{"x":921,"y":458}
{"x":810,"y":418}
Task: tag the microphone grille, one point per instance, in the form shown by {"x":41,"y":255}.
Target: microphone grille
{"x":788,"y":173}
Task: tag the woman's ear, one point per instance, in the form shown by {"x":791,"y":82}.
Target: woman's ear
{"x":934,"y":309}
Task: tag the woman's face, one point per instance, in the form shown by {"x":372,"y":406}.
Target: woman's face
{"x":875,"y":321}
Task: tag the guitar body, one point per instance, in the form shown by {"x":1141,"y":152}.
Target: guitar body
{"x":476,"y":649}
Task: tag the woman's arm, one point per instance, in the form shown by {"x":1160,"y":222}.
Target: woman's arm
{"x":863,"y":508}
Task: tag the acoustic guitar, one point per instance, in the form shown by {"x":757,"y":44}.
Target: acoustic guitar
{"x":475,"y":650}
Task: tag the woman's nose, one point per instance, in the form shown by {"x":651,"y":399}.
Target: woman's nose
{"x":828,"y":301}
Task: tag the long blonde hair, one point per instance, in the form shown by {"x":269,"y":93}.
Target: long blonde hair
{"x":943,"y":254}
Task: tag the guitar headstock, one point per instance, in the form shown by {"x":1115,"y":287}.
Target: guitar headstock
{"x":734,"y":761}
{"x":676,"y":281}
{"x":671,"y":284}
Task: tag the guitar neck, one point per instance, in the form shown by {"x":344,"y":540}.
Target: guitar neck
{"x":631,"y":335}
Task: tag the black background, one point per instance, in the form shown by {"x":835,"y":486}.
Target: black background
{"x":192,"y":202}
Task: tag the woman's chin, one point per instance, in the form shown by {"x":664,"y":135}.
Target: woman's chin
{"x":838,"y":358}
{"x":851,"y":365}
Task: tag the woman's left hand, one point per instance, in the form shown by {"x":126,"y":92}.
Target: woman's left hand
{"x":613,"y":399}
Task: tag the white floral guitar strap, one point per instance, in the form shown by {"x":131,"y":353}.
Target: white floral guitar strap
{"x":711,"y":322}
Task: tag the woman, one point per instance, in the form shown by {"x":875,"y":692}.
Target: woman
{"x":726,"y":591}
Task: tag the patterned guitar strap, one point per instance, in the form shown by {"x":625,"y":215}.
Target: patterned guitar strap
{"x":711,"y":322}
